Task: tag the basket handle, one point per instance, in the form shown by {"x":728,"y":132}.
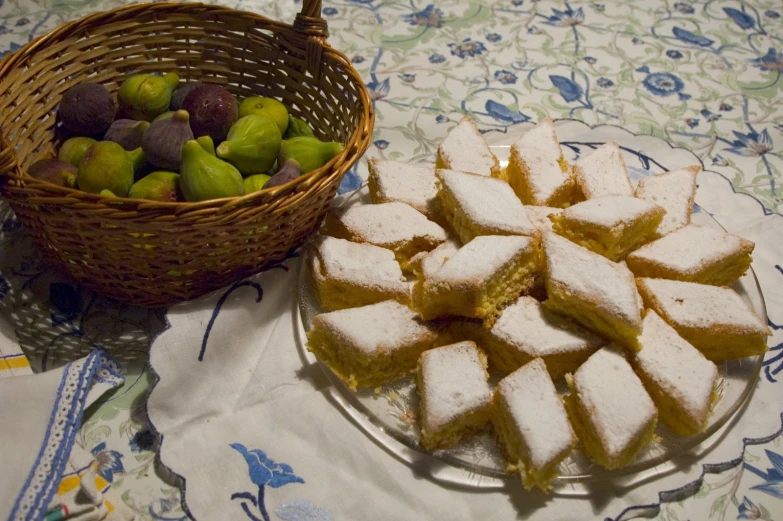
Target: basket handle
{"x":312,"y":31}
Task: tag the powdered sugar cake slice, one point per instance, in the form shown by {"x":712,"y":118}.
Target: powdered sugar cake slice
{"x":526,"y":330}
{"x":371,"y":345}
{"x":476,"y":205}
{"x":674,"y":191}
{"x":455,"y":395}
{"x":412,"y":184}
{"x":532,"y":424}
{"x":611,"y":225}
{"x":395,"y":226}
{"x":349,"y":274}
{"x":603,"y":172}
{"x":537,"y":171}
{"x":539,"y":216}
{"x":679,"y":379}
{"x":592,"y":290}
{"x":713,"y":319}
{"x":695,"y":254}
{"x":465,"y":150}
{"x":484,"y":275}
{"x":426,"y":263}
{"x":610,"y":410}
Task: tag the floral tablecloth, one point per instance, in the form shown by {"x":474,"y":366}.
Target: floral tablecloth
{"x":705,"y":76}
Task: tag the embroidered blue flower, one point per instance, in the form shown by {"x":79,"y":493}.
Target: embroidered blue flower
{"x":467,"y":48}
{"x":357,"y":59}
{"x":502,"y":113}
{"x":407,"y":78}
{"x":598,"y":7}
{"x":437,"y":58}
{"x":494,"y":37}
{"x":692,"y":122}
{"x":569,"y":89}
{"x":329,"y":11}
{"x":769,"y":13}
{"x":590,"y":60}
{"x":109,"y":461}
{"x":302,"y":510}
{"x":692,"y":38}
{"x":142,"y":441}
{"x":534,"y":30}
{"x":431,"y":16}
{"x":751,"y":144}
{"x":11,"y":224}
{"x":663,"y":83}
{"x":725,"y":107}
{"x":567,"y":18}
{"x":605,"y":82}
{"x":683,"y":8}
{"x":710,"y":116}
{"x":382,"y":144}
{"x":773,"y":477}
{"x":351,"y":182}
{"x":505,"y":77}
{"x":517,"y":2}
{"x":378,"y":90}
{"x":636,"y":41}
{"x":65,"y":302}
{"x":22,"y":22}
{"x":674,"y":54}
{"x":748,"y":510}
{"x":744,"y":20}
{"x":442,"y":119}
{"x":772,"y":61}
{"x":719,"y":160}
{"x":4,"y":29}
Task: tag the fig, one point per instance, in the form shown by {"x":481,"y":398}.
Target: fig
{"x":127,"y":132}
{"x":252,"y":145}
{"x":165,"y":115}
{"x":297,"y":127}
{"x":212,"y":110}
{"x":310,"y":152}
{"x":207,"y":144}
{"x":74,"y":148}
{"x":106,"y":166}
{"x":158,"y":186}
{"x":162,"y":143}
{"x":54,"y":171}
{"x":138,"y":159}
{"x":254,"y":183}
{"x":204,"y":176}
{"x":87,"y":109}
{"x":107,"y":193}
{"x":179,"y":95}
{"x":268,"y":107}
{"x":288,"y":172}
{"x":145,"y":96}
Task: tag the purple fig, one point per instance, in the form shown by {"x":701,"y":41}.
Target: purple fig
{"x":54,"y":171}
{"x":288,"y":172}
{"x":87,"y":109}
{"x":179,"y":95}
{"x":127,"y":133}
{"x":163,"y":141}
{"x":212,"y":110}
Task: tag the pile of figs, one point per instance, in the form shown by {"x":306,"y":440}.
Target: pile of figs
{"x":166,"y":141}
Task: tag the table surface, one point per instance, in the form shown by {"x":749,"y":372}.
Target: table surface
{"x":703,"y":75}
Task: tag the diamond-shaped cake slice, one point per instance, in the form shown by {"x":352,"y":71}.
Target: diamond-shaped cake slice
{"x":674,"y":191}
{"x":537,"y":171}
{"x":603,"y":172}
{"x":694,"y":254}
{"x":679,"y":379}
{"x":349,"y":274}
{"x":395,"y":226}
{"x":484,"y":276}
{"x":476,"y":205}
{"x":539,"y":216}
{"x":465,"y":150}
{"x":371,"y":345}
{"x":526,"y":330}
{"x":532,"y":425}
{"x":455,"y":395}
{"x":412,"y":184}
{"x":610,"y":410}
{"x":715,"y":320}
{"x":592,"y":290}
{"x":611,"y":225}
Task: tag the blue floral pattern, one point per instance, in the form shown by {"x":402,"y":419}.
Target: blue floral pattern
{"x":109,"y":461}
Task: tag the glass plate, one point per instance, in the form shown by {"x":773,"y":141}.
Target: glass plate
{"x":388,"y":415}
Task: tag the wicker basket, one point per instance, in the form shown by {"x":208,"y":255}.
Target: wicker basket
{"x":149,"y":253}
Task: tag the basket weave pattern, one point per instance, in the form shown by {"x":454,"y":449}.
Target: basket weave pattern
{"x":149,"y":253}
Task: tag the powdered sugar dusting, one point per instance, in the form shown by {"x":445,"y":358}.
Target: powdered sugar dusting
{"x":376,"y":328}
{"x":390,"y":224}
{"x":604,"y":173}
{"x":427,"y":263}
{"x":539,"y":216}
{"x":674,"y":192}
{"x":593,"y":277}
{"x":608,"y":211}
{"x":679,"y":368}
{"x":538,"y":412}
{"x":464,"y":149}
{"x":488,"y":202}
{"x":455,"y":383}
{"x":483,"y":257}
{"x":357,"y":263}
{"x":542,"y":137}
{"x":619,"y":406}
{"x":540,"y":150}
{"x":413,"y":184}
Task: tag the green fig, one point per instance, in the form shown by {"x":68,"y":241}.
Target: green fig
{"x":107,"y":193}
{"x":158,"y":186}
{"x":297,"y":127}
{"x":127,"y":132}
{"x":207,"y":144}
{"x":145,"y":96}
{"x":73,"y":150}
{"x":204,"y":176}
{"x":267,"y":107}
{"x":254,"y":183}
{"x":138,"y":159}
{"x":54,"y":171}
{"x":252,"y":145}
{"x":310,"y":152}
{"x":165,"y":115}
{"x":106,"y":166}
